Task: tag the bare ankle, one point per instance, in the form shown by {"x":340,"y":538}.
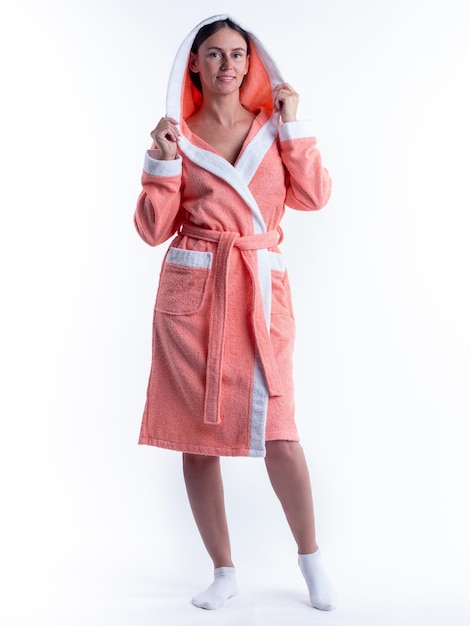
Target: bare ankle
{"x":223,"y":563}
{"x":308,"y":548}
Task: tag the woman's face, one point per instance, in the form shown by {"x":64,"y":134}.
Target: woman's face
{"x":221,"y":62}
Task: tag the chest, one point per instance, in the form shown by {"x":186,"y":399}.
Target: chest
{"x":228,"y":142}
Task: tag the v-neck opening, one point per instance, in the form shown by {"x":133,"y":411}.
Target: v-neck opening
{"x":255,"y":127}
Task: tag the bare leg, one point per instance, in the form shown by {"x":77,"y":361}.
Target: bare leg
{"x":288,"y":473}
{"x":206,"y":497}
{"x":290,"y":479}
{"x":203,"y":480}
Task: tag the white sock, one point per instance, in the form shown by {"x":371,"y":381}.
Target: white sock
{"x":223,"y":588}
{"x":322,"y":594}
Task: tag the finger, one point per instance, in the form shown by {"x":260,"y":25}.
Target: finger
{"x":166,"y":122}
{"x":171,"y":137}
{"x":280,"y":99}
{"x":285,"y":86}
{"x":163,"y":140}
{"x":171,"y":131}
{"x":164,"y":132}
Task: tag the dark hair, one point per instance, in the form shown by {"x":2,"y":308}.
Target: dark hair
{"x":207,"y":31}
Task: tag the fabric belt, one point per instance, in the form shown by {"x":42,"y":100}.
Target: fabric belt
{"x":226,"y":241}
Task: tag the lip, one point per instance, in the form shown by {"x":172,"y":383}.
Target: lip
{"x":226,"y":79}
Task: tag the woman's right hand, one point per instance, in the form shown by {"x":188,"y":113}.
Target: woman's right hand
{"x":165,"y":136}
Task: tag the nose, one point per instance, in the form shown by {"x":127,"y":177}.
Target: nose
{"x":225,"y":61}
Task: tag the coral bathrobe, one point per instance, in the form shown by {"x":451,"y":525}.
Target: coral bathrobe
{"x":221,"y":375}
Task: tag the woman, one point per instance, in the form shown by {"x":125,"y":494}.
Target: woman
{"x":227,"y":158}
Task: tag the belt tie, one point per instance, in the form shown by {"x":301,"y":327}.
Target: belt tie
{"x":226,"y":241}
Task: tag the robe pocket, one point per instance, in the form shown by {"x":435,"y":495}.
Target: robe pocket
{"x":183,"y":281}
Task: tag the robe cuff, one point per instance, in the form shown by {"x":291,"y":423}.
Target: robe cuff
{"x":157,"y":167}
{"x":296,"y":130}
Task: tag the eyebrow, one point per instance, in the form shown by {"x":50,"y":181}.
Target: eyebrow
{"x":221,"y":49}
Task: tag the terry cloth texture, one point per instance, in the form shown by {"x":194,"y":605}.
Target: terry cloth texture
{"x":223,"y":333}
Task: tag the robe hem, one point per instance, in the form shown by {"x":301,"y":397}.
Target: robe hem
{"x":212,"y":450}
{"x":204,"y":450}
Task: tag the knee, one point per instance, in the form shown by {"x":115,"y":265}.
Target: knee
{"x":198,"y":462}
{"x":281,"y":451}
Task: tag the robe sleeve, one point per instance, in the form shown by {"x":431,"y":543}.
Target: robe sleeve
{"x":308,"y":182}
{"x":157,"y":216}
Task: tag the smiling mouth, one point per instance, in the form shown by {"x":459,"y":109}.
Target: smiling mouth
{"x":226,"y":79}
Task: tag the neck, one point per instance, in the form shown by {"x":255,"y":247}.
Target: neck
{"x":224,"y":110}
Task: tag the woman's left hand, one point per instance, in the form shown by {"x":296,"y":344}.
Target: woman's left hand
{"x":286,"y":100}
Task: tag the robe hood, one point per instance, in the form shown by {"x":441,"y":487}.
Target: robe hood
{"x":183,"y":99}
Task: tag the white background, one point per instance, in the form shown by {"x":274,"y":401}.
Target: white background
{"x":97,"y":530}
